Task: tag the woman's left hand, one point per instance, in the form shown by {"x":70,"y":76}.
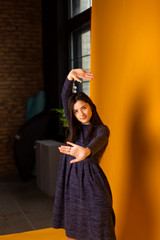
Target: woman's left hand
{"x":77,"y":151}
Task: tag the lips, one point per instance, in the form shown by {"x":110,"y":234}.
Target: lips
{"x":83,"y":118}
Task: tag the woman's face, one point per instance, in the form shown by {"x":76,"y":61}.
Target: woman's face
{"x":82,"y":111}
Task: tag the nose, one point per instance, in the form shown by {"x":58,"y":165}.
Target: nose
{"x":81,"y":113}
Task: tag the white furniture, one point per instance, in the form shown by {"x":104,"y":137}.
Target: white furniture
{"x":47,"y":161}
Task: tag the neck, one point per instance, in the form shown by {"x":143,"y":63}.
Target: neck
{"x":86,"y":123}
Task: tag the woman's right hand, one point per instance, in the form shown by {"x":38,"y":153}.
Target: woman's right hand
{"x":76,"y":74}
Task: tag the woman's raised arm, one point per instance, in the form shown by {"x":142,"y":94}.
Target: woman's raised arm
{"x":74,"y":74}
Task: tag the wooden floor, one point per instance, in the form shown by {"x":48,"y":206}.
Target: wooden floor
{"x":47,"y":234}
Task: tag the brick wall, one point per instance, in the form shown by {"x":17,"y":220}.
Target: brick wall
{"x":20,"y":69}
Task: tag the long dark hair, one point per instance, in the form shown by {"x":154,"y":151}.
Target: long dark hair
{"x":75,"y":125}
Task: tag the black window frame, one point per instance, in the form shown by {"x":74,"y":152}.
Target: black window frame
{"x":57,"y":27}
{"x":81,"y":21}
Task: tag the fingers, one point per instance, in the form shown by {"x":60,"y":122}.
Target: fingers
{"x":88,"y":72}
{"x":74,"y":150}
{"x":77,"y":79}
{"x":72,"y":144}
{"x":75,"y":160}
{"x":65,"y":149}
{"x":89,"y":75}
{"x":80,"y":73}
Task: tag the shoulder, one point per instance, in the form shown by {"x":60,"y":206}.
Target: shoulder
{"x":102,"y":129}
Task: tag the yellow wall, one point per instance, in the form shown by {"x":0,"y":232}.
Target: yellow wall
{"x":125,"y":58}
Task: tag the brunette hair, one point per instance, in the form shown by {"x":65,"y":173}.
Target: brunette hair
{"x":75,"y":125}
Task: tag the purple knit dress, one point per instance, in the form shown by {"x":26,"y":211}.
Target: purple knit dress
{"x":83,"y":199}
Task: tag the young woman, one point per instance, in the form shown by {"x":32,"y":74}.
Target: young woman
{"x":83,"y":201}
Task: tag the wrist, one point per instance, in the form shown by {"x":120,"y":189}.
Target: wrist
{"x":88,"y":152}
{"x":70,"y":76}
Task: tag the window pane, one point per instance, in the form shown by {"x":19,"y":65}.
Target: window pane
{"x":78,"y":6}
{"x":80,"y":55}
{"x":85,"y":38}
{"x":86,"y":63}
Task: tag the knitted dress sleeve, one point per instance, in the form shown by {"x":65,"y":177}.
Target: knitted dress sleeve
{"x":100,"y":140}
{"x":66,"y":93}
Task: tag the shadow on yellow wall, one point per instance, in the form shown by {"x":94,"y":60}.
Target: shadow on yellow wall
{"x":125,"y":58}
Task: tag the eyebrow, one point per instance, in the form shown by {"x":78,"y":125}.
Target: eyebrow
{"x":74,"y":110}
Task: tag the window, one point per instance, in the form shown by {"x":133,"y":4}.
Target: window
{"x":80,"y":39}
{"x":78,"y":6}
{"x":80,"y":54}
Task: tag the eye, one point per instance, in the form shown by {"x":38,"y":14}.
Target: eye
{"x":75,"y":111}
{"x":84,"y":107}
